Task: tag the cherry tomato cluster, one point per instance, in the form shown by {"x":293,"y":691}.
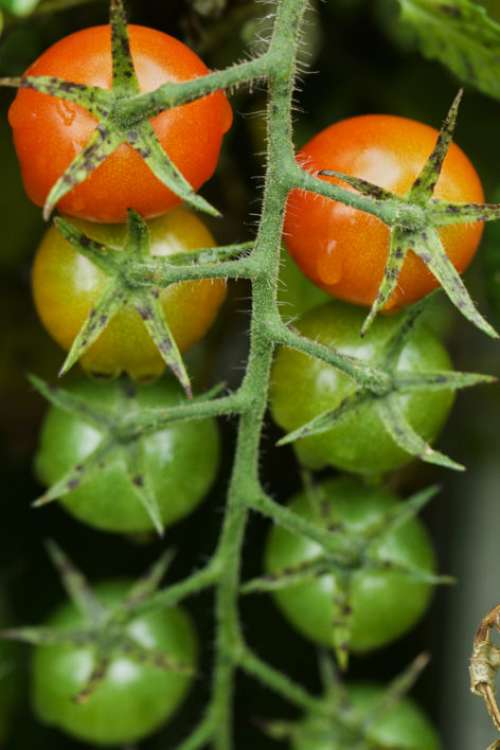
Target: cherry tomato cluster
{"x":110,"y":476}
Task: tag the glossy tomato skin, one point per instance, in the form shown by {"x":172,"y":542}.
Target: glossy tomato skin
{"x":133,"y":700}
{"x":344,"y":250}
{"x":181,"y":460}
{"x":402,"y":725}
{"x":302,"y":388}
{"x":385,"y":604}
{"x":49,"y":132}
{"x":66,"y":286}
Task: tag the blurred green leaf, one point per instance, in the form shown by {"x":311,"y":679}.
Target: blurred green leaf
{"x":461,"y":35}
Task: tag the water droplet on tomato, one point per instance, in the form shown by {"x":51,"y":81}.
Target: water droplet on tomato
{"x":329,"y":266}
{"x":67,"y":111}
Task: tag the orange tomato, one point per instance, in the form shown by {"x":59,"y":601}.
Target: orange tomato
{"x":344,"y":250}
{"x":49,"y":132}
{"x":66,"y":286}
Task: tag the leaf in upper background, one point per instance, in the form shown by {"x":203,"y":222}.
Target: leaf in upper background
{"x":459,"y":34}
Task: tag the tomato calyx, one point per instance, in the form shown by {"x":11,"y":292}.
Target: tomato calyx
{"x":337,"y":719}
{"x":387,"y":399}
{"x":113,"y":128}
{"x":123,"y":430}
{"x":484,"y":665}
{"x":104,"y":629}
{"x":347,"y":554}
{"x":414,"y":222}
{"x":123,"y":291}
{"x":135,"y":280}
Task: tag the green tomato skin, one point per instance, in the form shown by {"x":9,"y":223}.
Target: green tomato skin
{"x":385,"y":604}
{"x":133,"y":700}
{"x":403,"y":725}
{"x":182,"y":461}
{"x":296,"y":293}
{"x":303,"y":387}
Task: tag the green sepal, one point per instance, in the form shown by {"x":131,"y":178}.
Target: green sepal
{"x":135,"y":462}
{"x":105,"y":258}
{"x":405,"y":436}
{"x":103,"y":142}
{"x":46,"y":636}
{"x":441,"y":381}
{"x":75,"y":584}
{"x":324,"y":422}
{"x":342,"y":619}
{"x":398,"y":245}
{"x":111,"y":301}
{"x":102,"y":662}
{"x":362,"y":186}
{"x":429,"y":248}
{"x":418,"y":576}
{"x":95,"y":100}
{"x":292,"y":576}
{"x":123,"y":291}
{"x":79,"y":475}
{"x":124,"y":75}
{"x":423,"y":187}
{"x":399,"y":515}
{"x":149,"y":307}
{"x":397,"y":689}
{"x":144,"y":140}
{"x":100,"y":417}
{"x":149,"y":583}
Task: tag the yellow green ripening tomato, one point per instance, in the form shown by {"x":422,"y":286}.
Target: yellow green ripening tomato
{"x":181,"y":460}
{"x":303,"y":387}
{"x":134,"y":699}
{"x":385,"y":603}
{"x":66,"y":286}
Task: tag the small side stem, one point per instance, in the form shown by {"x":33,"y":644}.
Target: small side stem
{"x":174,"y":94}
{"x":337,"y":545}
{"x":374,"y":380}
{"x":278,"y":682}
{"x":169,"y":597}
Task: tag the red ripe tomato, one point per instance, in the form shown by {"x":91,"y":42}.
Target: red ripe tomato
{"x":49,"y":132}
{"x":344,"y":250}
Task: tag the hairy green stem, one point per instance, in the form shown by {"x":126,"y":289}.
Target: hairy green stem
{"x":170,"y":95}
{"x":374,"y":380}
{"x":337,"y":546}
{"x":169,"y":597}
{"x":245,"y":477}
{"x":279,"y":682}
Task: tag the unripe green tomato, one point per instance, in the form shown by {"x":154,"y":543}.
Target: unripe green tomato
{"x":385,"y":603}
{"x":181,"y":460}
{"x":402,"y":725}
{"x":303,"y":387}
{"x":296,"y":293}
{"x":133,"y":700}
